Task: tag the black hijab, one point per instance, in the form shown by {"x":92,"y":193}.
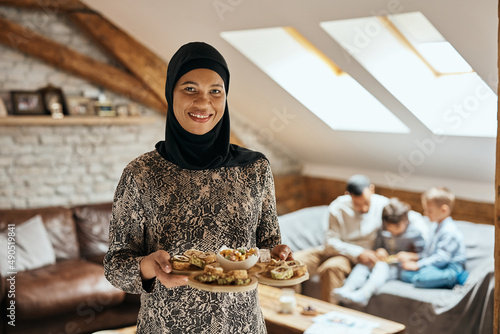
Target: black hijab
{"x":211,"y":150}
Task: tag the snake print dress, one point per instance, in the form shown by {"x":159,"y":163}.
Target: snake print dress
{"x":159,"y":205}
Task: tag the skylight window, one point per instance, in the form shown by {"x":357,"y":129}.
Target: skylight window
{"x":314,"y":80}
{"x":427,"y":40}
{"x":414,"y":62}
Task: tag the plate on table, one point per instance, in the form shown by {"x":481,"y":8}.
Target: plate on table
{"x":214,"y":287}
{"x":265,"y":278}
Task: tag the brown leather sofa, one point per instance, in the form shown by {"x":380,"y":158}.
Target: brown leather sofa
{"x":72,"y":295}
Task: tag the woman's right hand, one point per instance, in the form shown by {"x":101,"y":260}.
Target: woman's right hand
{"x":158,"y":265}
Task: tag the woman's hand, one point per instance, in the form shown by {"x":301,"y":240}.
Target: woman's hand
{"x":158,"y":265}
{"x":282,"y":252}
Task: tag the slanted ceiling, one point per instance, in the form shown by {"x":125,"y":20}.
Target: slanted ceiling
{"x":466,"y":165}
{"x":412,"y":161}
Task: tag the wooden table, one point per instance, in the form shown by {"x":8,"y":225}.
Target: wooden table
{"x":280,"y":323}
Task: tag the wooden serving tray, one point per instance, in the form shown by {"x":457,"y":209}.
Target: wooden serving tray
{"x":267,"y":280}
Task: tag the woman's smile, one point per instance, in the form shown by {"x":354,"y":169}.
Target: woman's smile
{"x":199,"y":117}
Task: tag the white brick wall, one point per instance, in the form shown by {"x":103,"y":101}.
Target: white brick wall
{"x":69,"y":165}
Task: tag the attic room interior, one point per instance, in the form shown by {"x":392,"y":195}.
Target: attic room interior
{"x":402,"y":91}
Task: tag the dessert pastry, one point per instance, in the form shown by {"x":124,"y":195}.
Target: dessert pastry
{"x":299,"y":270}
{"x":202,"y":259}
{"x":282,"y":272}
{"x":216,"y":274}
{"x":192,"y":252}
{"x":180,"y":262}
{"x":217,"y":271}
{"x":280,"y":269}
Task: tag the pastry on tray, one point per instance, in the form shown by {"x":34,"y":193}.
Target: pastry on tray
{"x":181,"y":262}
{"x":283,"y":270}
{"x":192,"y":260}
{"x":217,"y":276}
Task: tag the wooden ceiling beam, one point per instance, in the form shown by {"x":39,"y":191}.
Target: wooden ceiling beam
{"x":139,"y":60}
{"x":29,"y":42}
{"x":52,"y":6}
{"x":149,"y":69}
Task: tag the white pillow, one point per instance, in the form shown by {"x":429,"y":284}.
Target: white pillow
{"x":33,"y":248}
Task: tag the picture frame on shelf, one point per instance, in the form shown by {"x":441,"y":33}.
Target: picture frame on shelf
{"x":135,"y":110}
{"x":122,"y":110}
{"x":103,"y":107}
{"x":54,"y":100}
{"x":3,"y":109}
{"x":7,"y":101}
{"x":27,"y":103}
{"x":80,"y":106}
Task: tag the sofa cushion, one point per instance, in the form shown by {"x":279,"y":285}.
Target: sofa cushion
{"x":304,"y":228}
{"x":59,"y":224}
{"x":31,"y":247}
{"x":65,"y":287}
{"x":92,"y":223}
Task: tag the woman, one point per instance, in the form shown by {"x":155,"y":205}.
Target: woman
{"x":194,"y":191}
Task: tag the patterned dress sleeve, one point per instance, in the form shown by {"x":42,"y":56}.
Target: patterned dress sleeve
{"x":268,"y":231}
{"x":126,"y":234}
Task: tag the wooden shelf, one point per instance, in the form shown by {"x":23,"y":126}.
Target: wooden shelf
{"x":75,"y":120}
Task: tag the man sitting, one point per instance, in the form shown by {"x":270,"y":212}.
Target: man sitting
{"x":355,"y":219}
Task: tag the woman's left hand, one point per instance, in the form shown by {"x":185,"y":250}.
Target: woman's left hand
{"x":283,"y":252}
